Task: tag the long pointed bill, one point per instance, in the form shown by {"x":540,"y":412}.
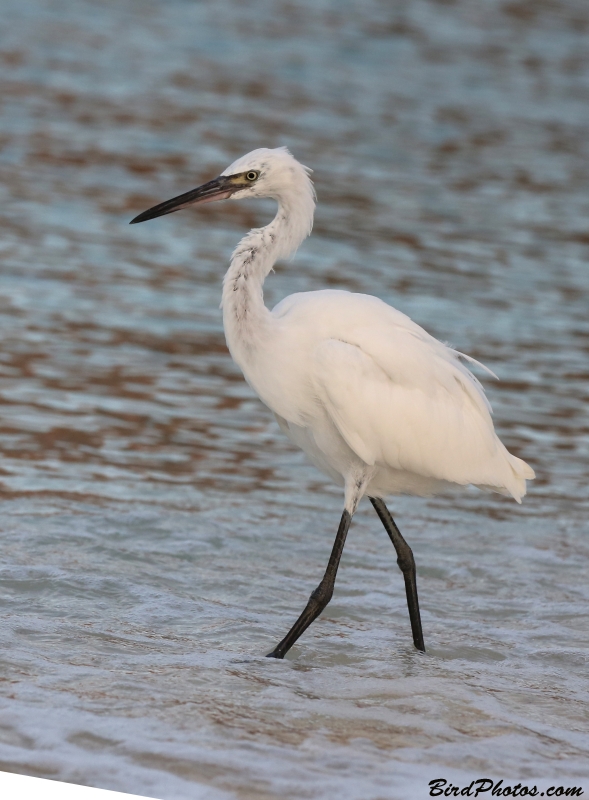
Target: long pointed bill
{"x":218,"y":189}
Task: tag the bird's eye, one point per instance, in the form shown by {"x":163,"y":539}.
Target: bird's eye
{"x":252,"y":176}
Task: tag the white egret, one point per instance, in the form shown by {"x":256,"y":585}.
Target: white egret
{"x":374,"y":401}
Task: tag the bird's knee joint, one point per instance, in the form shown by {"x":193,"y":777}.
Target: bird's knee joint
{"x":321,"y":595}
{"x":406,"y":562}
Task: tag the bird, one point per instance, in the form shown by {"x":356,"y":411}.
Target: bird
{"x":375,"y":402}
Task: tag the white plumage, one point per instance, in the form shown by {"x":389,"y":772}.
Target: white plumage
{"x":368,"y":392}
{"x":374,"y":401}
{"x":363,"y":390}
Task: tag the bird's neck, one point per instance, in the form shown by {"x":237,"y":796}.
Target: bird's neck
{"x":246,"y":319}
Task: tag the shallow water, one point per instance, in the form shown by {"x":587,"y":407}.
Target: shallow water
{"x":159,"y":535}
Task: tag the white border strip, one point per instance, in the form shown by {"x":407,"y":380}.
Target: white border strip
{"x":22,"y":787}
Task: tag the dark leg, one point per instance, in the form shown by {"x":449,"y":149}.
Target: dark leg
{"x":322,"y":594}
{"x":406,"y":564}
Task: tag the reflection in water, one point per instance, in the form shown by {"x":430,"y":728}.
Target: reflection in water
{"x":159,"y":534}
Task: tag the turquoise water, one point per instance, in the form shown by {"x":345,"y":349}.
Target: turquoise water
{"x":159,"y":535}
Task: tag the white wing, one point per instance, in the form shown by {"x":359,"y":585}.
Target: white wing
{"x":402,"y":400}
{"x":398,"y":397}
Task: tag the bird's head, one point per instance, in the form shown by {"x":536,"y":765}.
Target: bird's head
{"x":261,"y":173}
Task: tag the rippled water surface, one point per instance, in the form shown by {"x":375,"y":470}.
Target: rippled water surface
{"x":158,"y":533}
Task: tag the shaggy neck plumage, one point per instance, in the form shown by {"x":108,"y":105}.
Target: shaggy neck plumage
{"x":246,"y":319}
